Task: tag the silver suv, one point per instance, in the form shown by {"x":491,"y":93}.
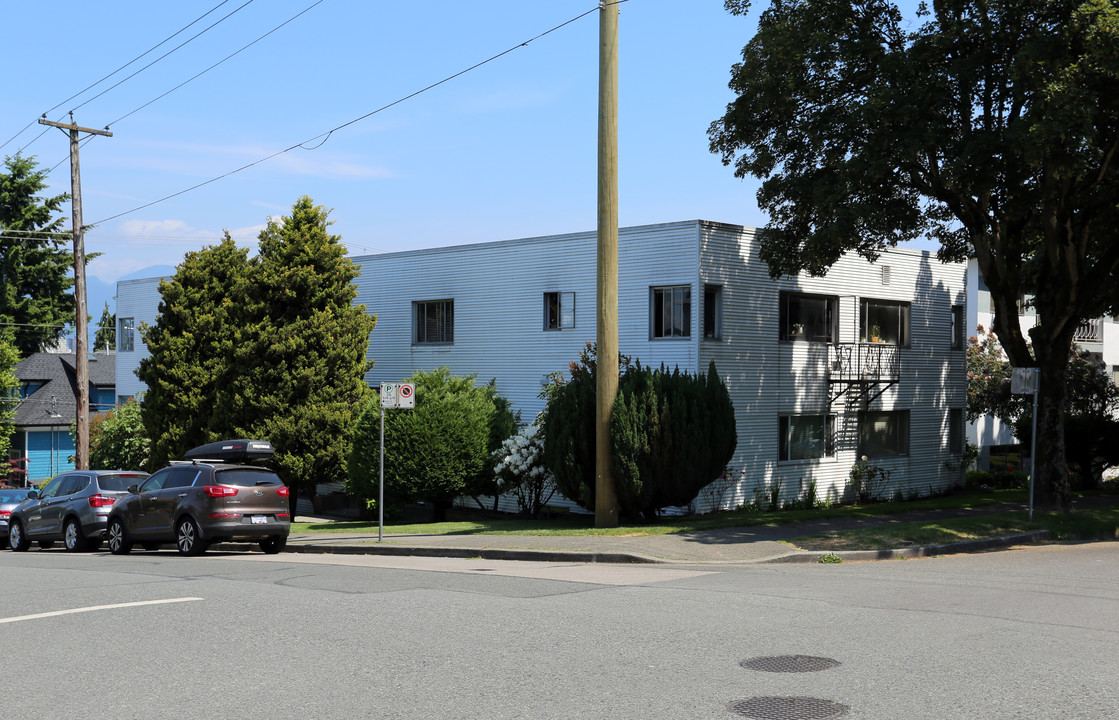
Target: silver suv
{"x":72,"y":507}
{"x":207,"y":499}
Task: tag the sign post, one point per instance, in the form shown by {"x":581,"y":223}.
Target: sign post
{"x":394,"y":396}
{"x":1025,"y":381}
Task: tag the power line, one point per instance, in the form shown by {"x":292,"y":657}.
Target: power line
{"x":219,"y":62}
{"x":153,"y":62}
{"x":122,"y":67}
{"x":326,"y":135}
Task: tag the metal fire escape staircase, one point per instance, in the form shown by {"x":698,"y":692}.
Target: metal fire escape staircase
{"x":859,"y":373}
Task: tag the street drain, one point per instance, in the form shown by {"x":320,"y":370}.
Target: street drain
{"x":790,"y":663}
{"x":787,"y":708}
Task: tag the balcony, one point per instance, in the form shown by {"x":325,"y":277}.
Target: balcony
{"x":862,"y":370}
{"x":1090,"y":332}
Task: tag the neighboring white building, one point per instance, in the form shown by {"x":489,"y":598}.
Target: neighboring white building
{"x":1100,"y":337}
{"x":811,"y":392}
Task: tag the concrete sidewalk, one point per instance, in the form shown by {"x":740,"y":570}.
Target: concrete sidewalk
{"x":755,"y":544}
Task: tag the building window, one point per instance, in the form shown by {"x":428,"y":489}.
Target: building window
{"x":713,"y":312}
{"x":886,"y":320}
{"x":671,"y":311}
{"x":805,"y":437}
{"x":957,"y":327}
{"x":808,"y":317}
{"x":434,"y":322}
{"x":956,"y":430}
{"x":126,"y":334}
{"x":884,"y":434}
{"x":559,"y":310}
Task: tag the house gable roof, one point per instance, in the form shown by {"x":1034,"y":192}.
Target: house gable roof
{"x":55,"y":401}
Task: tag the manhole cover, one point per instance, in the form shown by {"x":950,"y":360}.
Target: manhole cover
{"x":790,"y":663}
{"x":787,"y":708}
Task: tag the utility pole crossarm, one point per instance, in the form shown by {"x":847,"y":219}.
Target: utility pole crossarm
{"x":75,"y":128}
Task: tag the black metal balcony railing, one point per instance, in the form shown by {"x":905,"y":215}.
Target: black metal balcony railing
{"x":866,"y":369}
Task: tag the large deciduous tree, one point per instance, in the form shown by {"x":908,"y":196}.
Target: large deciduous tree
{"x":993,"y":126}
{"x":35,"y":264}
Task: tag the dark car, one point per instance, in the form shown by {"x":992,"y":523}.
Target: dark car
{"x":71,"y":507}
{"x":210,"y":497}
{"x":9,"y":499}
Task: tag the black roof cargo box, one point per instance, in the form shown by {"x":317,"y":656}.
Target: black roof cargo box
{"x":233,"y":451}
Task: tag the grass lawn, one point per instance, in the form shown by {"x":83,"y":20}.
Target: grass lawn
{"x":1081,"y":524}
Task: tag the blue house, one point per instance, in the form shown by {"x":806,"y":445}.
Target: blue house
{"x":47,"y":408}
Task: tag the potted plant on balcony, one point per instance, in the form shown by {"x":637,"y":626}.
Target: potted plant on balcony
{"x":875,"y":333}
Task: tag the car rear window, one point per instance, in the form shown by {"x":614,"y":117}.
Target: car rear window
{"x":243,"y":477}
{"x":120,"y":482}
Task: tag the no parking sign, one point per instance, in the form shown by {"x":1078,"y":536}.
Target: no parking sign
{"x":398,"y":395}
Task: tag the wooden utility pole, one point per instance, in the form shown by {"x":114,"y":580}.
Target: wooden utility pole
{"x":606,"y":494}
{"x":81,"y":339}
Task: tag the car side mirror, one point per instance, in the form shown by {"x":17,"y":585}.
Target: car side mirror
{"x":33,"y":495}
{"x":134,"y":489}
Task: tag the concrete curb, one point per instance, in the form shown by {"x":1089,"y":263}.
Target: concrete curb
{"x":617,"y":558}
{"x":811,"y":556}
{"x":484,"y":553}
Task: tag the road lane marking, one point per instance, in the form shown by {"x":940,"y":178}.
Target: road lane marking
{"x":95,"y":608}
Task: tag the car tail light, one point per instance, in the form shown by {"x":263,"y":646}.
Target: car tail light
{"x":100,"y":501}
{"x":216,"y":491}
{"x":283,"y":515}
{"x":5,"y":513}
{"x":225,"y":515}
{"x":283,"y":491}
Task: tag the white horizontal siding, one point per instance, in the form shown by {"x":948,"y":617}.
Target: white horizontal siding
{"x":137,"y":299}
{"x":498,"y":291}
{"x":768,"y":378}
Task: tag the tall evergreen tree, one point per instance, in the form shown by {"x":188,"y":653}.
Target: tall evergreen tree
{"x":106,"y":337}
{"x":295,"y":374}
{"x":35,"y":263}
{"x":191,"y":343}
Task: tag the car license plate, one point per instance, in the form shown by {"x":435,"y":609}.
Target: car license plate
{"x":260,"y":519}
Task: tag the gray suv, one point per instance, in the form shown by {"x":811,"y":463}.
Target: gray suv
{"x":207,"y":499}
{"x":72,"y":507}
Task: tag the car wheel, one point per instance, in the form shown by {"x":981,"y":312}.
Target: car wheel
{"x":119,"y":544}
{"x":16,"y":539}
{"x":189,"y":538}
{"x":46,"y":544}
{"x":273,"y":545}
{"x":72,"y":536}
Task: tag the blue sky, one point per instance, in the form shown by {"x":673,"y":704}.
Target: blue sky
{"x":504,"y":151}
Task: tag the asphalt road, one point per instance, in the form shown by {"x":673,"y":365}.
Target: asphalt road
{"x":1025,"y":633}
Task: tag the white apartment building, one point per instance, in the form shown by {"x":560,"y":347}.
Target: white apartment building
{"x":813,"y":389}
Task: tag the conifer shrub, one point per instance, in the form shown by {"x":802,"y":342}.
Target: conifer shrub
{"x":672,"y":434}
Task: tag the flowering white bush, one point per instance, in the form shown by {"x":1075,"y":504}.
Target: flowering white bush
{"x":519,"y":465}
